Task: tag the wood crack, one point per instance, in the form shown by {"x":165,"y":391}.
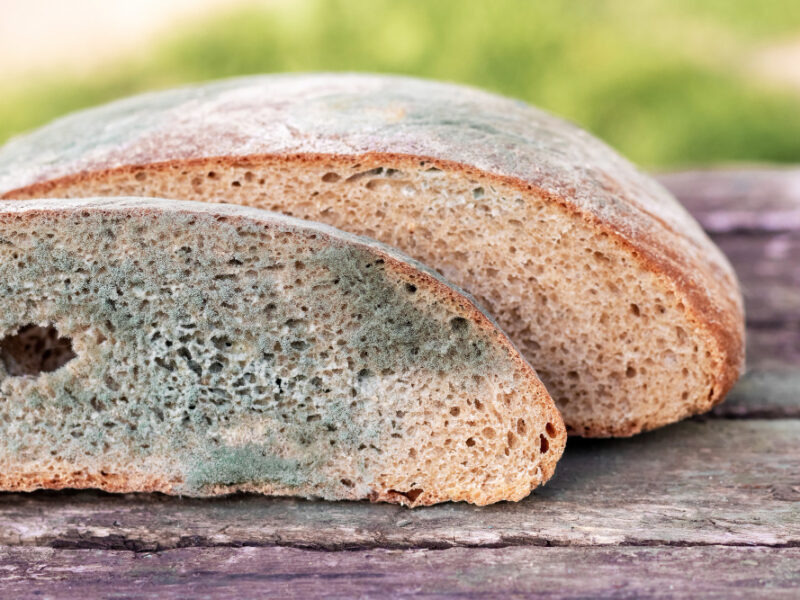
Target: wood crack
{"x":123,"y":543}
{"x":749,"y":413}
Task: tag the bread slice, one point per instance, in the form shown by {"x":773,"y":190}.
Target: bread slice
{"x":629,"y":313}
{"x":198,"y":349}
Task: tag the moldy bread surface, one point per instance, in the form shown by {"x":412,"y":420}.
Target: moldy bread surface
{"x":199,"y":349}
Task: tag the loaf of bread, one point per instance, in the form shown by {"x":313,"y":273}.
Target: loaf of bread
{"x":629,"y":313}
{"x":200,"y":349}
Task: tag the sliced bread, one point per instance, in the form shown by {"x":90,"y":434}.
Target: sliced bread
{"x":629,"y":313}
{"x":199,"y":349}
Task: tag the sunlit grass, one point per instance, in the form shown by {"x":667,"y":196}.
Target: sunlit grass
{"x":661,"y":80}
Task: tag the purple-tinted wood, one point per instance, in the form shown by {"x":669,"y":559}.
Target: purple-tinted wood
{"x":768,"y":267}
{"x":619,"y":572}
{"x":748,"y":199}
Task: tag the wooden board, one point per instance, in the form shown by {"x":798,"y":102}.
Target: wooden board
{"x":740,"y":199}
{"x":708,"y":507}
{"x":607,"y":572}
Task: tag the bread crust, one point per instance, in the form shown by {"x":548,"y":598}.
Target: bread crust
{"x":402,"y":122}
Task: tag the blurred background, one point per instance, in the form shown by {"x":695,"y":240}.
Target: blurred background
{"x":670,"y":83}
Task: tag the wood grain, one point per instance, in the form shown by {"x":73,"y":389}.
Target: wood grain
{"x":733,"y":482}
{"x":661,"y":572}
{"x":763,"y":395}
{"x":768,"y":267}
{"x":765,"y":199}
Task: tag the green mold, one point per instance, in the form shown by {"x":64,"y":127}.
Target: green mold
{"x":397,"y":334}
{"x":246,"y":464}
{"x":185,"y":351}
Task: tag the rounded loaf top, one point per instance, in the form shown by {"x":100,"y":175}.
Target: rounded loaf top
{"x":349,"y":114}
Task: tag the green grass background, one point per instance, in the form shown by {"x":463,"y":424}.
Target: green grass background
{"x":664,"y":81}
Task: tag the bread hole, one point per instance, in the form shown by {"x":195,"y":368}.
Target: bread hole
{"x":221,"y":342}
{"x":331,"y":177}
{"x":512,"y":439}
{"x":635,"y":309}
{"x":470,"y":442}
{"x":33,"y":350}
{"x":550,"y":429}
{"x":140,"y":176}
{"x":521,"y":427}
{"x":458,"y":324}
{"x":412,"y":495}
{"x":544,"y":445}
{"x":211,"y":175}
{"x":477,"y":193}
{"x":299,"y":345}
{"x":630,"y":372}
{"x":455,"y":411}
{"x":357,"y":176}
{"x":347,"y":483}
{"x":478,"y":404}
{"x":411,"y":288}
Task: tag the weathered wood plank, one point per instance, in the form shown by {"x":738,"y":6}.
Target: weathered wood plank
{"x":751,"y":199}
{"x":771,"y":349}
{"x":768,"y":266}
{"x":718,"y":482}
{"x":707,"y":572}
{"x":771,"y":386}
{"x":763,"y":395}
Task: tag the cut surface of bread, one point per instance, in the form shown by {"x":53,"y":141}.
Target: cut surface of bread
{"x":199,"y":349}
{"x":628,"y":312}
